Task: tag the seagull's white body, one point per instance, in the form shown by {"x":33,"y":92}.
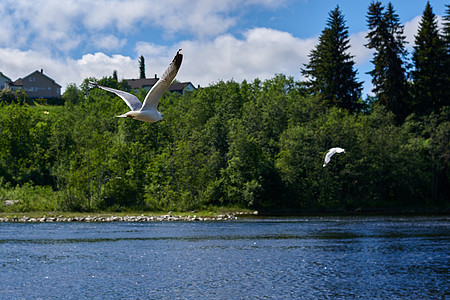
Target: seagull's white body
{"x":148,"y":112}
{"x":330,"y":153}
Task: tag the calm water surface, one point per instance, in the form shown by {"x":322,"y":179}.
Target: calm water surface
{"x":279,"y":258}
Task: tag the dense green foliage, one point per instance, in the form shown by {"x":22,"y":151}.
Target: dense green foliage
{"x":258,"y":145}
{"x":249,"y":145}
{"x":19,"y":96}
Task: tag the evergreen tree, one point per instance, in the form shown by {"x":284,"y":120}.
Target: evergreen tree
{"x":388,"y":76}
{"x":446,"y":38}
{"x":141,"y":67}
{"x":446,"y":35}
{"x":330,"y":68}
{"x":430,"y":76}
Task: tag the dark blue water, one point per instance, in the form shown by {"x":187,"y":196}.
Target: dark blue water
{"x":285,"y":258}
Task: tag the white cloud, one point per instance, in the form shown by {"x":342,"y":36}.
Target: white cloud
{"x":261,"y":53}
{"x":410,"y":31}
{"x":211,"y":53}
{"x":16,"y":64}
{"x":149,"y":49}
{"x":66,"y":24}
{"x":45,"y":24}
{"x":109,"y":42}
{"x":358,"y":49}
{"x":99,"y":65}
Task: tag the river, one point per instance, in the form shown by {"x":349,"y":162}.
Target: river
{"x":369,"y":257}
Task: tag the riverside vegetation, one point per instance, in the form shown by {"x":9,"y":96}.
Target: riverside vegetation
{"x":254,"y":145}
{"x":251,"y":145}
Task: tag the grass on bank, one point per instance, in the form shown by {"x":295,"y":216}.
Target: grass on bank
{"x":36,"y":202}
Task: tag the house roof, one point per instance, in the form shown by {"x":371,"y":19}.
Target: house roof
{"x":18,"y":82}
{"x":41,"y":73}
{"x":150,"y":82}
{"x":4,"y":76}
{"x":141,"y":83}
{"x":178,"y":86}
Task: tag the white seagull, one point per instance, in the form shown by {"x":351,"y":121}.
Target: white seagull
{"x":148,"y":112}
{"x":330,"y":153}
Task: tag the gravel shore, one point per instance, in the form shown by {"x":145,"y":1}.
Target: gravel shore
{"x":141,"y":218}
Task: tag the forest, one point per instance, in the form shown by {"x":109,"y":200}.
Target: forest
{"x":258,"y":144}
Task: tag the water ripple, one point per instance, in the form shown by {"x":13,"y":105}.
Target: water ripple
{"x":294,"y":258}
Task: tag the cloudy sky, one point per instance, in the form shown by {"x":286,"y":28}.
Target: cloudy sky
{"x":221,"y":40}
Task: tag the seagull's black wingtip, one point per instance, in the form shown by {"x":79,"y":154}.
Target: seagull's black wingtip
{"x":178,"y":59}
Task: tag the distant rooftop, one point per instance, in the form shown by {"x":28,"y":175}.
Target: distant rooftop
{"x":141,"y":83}
{"x":148,"y":83}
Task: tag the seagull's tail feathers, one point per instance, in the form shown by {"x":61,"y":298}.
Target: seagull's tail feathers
{"x":130,"y":114}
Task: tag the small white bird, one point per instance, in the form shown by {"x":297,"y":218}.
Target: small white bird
{"x":148,"y":112}
{"x":330,"y":153}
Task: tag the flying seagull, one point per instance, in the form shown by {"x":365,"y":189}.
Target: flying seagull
{"x":330,"y":153}
{"x":148,"y":112}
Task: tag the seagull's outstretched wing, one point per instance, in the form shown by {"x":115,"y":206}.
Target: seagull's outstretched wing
{"x":131,"y":100}
{"x":330,"y":153}
{"x":153,"y":96}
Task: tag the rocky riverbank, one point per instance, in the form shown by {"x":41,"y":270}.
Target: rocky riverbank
{"x":141,"y":218}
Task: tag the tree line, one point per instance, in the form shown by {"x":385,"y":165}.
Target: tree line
{"x":256,"y":144}
{"x":404,"y":88}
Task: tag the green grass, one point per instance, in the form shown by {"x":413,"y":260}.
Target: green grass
{"x":29,"y":197}
{"x":36,"y":201}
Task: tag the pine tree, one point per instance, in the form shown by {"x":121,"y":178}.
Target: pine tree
{"x":430,"y":76}
{"x":388,"y":76}
{"x":141,"y":67}
{"x":330,"y":68}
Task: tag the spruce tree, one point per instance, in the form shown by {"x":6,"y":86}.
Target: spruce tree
{"x":446,"y":34}
{"x":330,"y":69}
{"x":430,"y":74}
{"x":141,"y":67}
{"x":446,"y":38}
{"x":388,"y":76}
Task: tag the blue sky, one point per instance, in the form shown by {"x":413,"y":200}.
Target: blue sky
{"x":221,"y":40}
